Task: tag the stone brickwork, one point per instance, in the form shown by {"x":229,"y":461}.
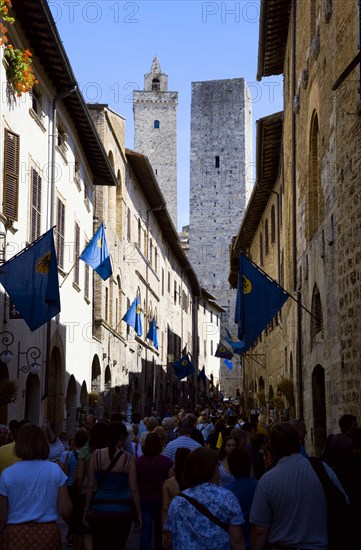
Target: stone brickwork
{"x":221,"y":146}
{"x":155,"y":132}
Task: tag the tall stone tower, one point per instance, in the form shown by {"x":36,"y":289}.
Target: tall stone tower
{"x":221,"y":177}
{"x":155,"y":131}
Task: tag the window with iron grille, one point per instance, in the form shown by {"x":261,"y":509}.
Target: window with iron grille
{"x":35,"y":213}
{"x":60,"y":233}
{"x":11,"y":175}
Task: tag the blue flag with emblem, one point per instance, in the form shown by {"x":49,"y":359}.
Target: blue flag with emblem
{"x":236,"y":345}
{"x":96,"y":254}
{"x":202,"y":375}
{"x":224,"y":350}
{"x":259,"y":299}
{"x":31,"y":280}
{"x":183,"y":367}
{"x":152,"y":333}
{"x":133,"y":317}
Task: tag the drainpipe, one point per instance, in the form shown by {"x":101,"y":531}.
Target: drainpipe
{"x":294,"y":223}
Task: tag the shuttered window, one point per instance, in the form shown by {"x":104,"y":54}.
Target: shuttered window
{"x":35,"y":214}
{"x":60,"y":233}
{"x":76,"y":253}
{"x":11,"y":175}
{"x":86,"y":276}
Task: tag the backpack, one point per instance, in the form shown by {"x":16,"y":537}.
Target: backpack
{"x":338,"y":509}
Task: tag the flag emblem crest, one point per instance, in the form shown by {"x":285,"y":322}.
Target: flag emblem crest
{"x":100,"y":243}
{"x":246,"y":285}
{"x":43,"y":263}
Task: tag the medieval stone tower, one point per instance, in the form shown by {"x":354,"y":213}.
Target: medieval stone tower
{"x":155,"y":131}
{"x":221,"y":177}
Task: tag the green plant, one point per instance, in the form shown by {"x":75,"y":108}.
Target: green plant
{"x":261,"y":397}
{"x":19,"y":72}
{"x":286,"y":388}
{"x":93,"y":399}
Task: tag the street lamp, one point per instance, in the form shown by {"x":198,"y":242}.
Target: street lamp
{"x":7,"y":338}
{"x":31,"y":355}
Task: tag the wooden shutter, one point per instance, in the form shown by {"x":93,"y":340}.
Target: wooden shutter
{"x":76,"y":253}
{"x":60,"y":233}
{"x":35,"y":214}
{"x":11,"y":175}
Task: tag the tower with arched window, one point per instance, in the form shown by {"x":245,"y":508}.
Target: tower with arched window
{"x":155,"y":131}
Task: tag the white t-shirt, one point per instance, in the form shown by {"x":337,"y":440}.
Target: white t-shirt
{"x":32,"y":490}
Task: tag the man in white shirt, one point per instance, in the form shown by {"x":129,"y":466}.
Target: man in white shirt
{"x":184,"y":440}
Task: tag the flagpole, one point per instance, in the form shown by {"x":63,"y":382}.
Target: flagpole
{"x":279,"y":286}
{"x":71,"y":269}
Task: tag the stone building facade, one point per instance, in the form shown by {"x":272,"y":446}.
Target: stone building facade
{"x":221,"y":153}
{"x":155,"y":131}
{"x":320,"y":204}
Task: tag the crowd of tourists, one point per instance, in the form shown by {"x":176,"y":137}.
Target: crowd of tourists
{"x":205,"y":479}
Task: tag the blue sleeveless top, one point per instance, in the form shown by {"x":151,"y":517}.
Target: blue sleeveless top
{"x":114,"y":494}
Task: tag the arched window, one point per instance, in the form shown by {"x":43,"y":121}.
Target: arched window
{"x":266,"y":237}
{"x":155,"y":84}
{"x":273,"y":224}
{"x":156,"y":124}
{"x":316,"y":310}
{"x":261,"y":249}
{"x":315,"y":194}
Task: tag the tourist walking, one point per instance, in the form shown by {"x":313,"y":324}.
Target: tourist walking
{"x":212,"y":518}
{"x":33,"y":494}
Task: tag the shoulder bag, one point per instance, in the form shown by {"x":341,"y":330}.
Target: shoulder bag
{"x":201,"y":508}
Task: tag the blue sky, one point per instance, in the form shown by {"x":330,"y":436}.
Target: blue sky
{"x":111,"y":45}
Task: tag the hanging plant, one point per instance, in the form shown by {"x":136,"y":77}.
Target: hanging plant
{"x":19,"y":72}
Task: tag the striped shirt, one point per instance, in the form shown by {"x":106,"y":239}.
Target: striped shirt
{"x":184,"y":442}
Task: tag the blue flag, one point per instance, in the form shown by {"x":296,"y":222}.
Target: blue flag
{"x":236,"y":345}
{"x":31,"y":280}
{"x":133,"y":317}
{"x":259,"y":299}
{"x":224,"y":350}
{"x":96,"y":254}
{"x":183,"y":367}
{"x":152,"y":333}
{"x":228,"y":364}
{"x":202,"y":375}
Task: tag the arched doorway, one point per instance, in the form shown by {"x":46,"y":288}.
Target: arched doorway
{"x":84,"y":396}
{"x":96,"y":375}
{"x":32,"y":400}
{"x":107,"y":402}
{"x":71,"y":406}
{"x":55,"y":410}
{"x":318,"y":409}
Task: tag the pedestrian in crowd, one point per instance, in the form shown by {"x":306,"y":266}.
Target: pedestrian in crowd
{"x":121,"y":417}
{"x":98,"y":439}
{"x":7,"y":452}
{"x":89,"y":422}
{"x":289,"y":508}
{"x":196,"y":434}
{"x":174,"y":484}
{"x":109,"y":512}
{"x":185,"y":429}
{"x":205,"y":426}
{"x":243,"y":487}
{"x":240,"y":436}
{"x":214,"y":436}
{"x":169,"y":425}
{"x":13,"y":430}
{"x":136,"y":446}
{"x":189,"y":527}
{"x":349,"y":473}
{"x":56,"y":446}
{"x":340,"y":445}
{"x":4,"y":434}
{"x":152,"y":470}
{"x":225,"y":476}
{"x":32,"y":495}
{"x":160,"y":431}
{"x":68,"y":463}
{"x":300,"y":426}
